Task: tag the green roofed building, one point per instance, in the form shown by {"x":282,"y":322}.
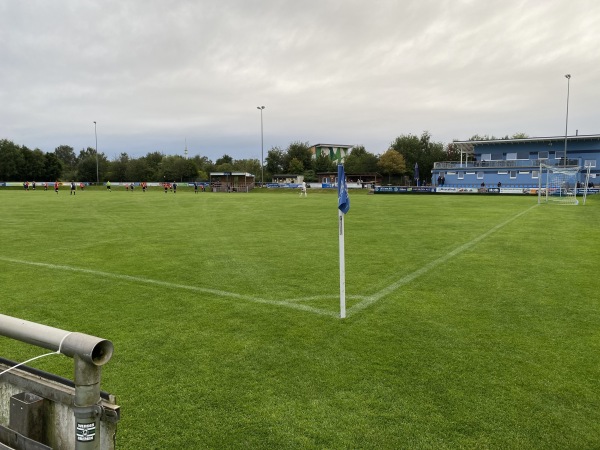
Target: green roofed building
{"x":336,"y":152}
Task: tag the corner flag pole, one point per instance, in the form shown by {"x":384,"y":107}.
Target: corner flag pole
{"x":343,"y":208}
{"x":342,"y":267}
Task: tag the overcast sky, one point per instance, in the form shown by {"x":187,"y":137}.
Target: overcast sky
{"x":155,"y":74}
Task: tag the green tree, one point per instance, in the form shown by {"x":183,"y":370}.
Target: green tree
{"x":35,"y":162}
{"x":154,"y":160}
{"x":90,"y":165}
{"x":301,"y":152}
{"x":296,"y":166}
{"x":139,"y":170}
{"x":409,"y":146}
{"x":391,"y":163}
{"x":274,"y":162}
{"x":11,"y":161}
{"x":177,"y":168}
{"x":86,"y":168}
{"x":68,"y":159}
{"x":323,"y":164}
{"x":249,"y":166}
{"x":52,"y":167}
{"x":185,"y":169}
{"x":204,"y":166}
{"x":225,"y":167}
{"x":225,"y":159}
{"x":310,"y":176}
{"x":361,"y":161}
{"x":452,"y":153}
{"x":421,"y":151}
{"x":520,"y":136}
{"x":484,"y":137}
{"x":119,"y":168}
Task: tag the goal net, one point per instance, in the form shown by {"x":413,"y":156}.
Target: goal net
{"x":558,"y":184}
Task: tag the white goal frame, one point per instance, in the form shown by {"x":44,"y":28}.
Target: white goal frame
{"x":588,"y":168}
{"x":558,"y":184}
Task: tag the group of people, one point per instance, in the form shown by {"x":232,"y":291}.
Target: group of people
{"x":57,"y":185}
{"x":128,"y":186}
{"x":441,"y":180}
{"x":26,"y":185}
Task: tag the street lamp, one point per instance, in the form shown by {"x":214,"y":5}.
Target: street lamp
{"x":96,"y":134}
{"x":568,"y":77}
{"x":262,"y":157}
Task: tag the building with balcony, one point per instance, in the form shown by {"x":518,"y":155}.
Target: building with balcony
{"x":516,"y":162}
{"x":335,"y":152}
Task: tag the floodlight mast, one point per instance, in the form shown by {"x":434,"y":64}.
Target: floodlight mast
{"x":97,"y":173}
{"x":568,"y":77}
{"x":262,"y":157}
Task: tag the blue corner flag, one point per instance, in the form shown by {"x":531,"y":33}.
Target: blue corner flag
{"x":343,"y":199}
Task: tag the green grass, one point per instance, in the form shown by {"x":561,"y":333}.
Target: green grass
{"x":493,"y":345}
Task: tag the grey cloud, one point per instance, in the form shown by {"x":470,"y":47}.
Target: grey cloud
{"x":153,"y":73}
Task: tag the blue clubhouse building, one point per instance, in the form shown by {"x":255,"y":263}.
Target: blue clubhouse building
{"x":515,"y":163}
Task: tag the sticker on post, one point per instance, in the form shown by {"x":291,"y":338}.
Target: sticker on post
{"x":86,"y":432}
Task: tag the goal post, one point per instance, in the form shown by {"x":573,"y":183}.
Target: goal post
{"x":588,"y":168}
{"x":558,"y":184}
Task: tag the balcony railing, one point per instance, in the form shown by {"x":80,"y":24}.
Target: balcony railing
{"x":511,"y":163}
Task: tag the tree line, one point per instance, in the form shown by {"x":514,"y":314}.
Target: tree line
{"x":19,"y":163}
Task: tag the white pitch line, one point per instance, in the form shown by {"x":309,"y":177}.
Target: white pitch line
{"x":369,"y":300}
{"x":215,"y":292}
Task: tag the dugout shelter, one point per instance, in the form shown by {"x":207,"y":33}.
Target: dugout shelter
{"x":353,"y":180}
{"x":232,"y":181}
{"x":287,"y":178}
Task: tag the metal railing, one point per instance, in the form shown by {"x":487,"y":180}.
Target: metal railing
{"x":504,"y":164}
{"x":90,"y":353}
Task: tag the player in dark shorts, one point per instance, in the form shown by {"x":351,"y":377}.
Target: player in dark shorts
{"x":73,"y":188}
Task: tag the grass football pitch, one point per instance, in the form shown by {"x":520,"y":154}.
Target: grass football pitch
{"x":473,"y":321}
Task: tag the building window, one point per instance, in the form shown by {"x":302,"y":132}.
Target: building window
{"x":480,"y":175}
{"x":461,"y":175}
{"x":513,"y":174}
{"x":502,"y":172}
{"x":535,"y":174}
{"x":486,"y":156}
{"x":589,"y":163}
{"x":510,"y":156}
{"x":543,"y":155}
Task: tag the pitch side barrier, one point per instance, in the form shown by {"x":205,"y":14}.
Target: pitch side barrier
{"x":461,"y":189}
{"x":45,"y":409}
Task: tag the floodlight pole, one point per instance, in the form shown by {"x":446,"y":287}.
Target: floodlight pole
{"x":568,"y":77}
{"x":262,"y":158}
{"x":97,"y":173}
